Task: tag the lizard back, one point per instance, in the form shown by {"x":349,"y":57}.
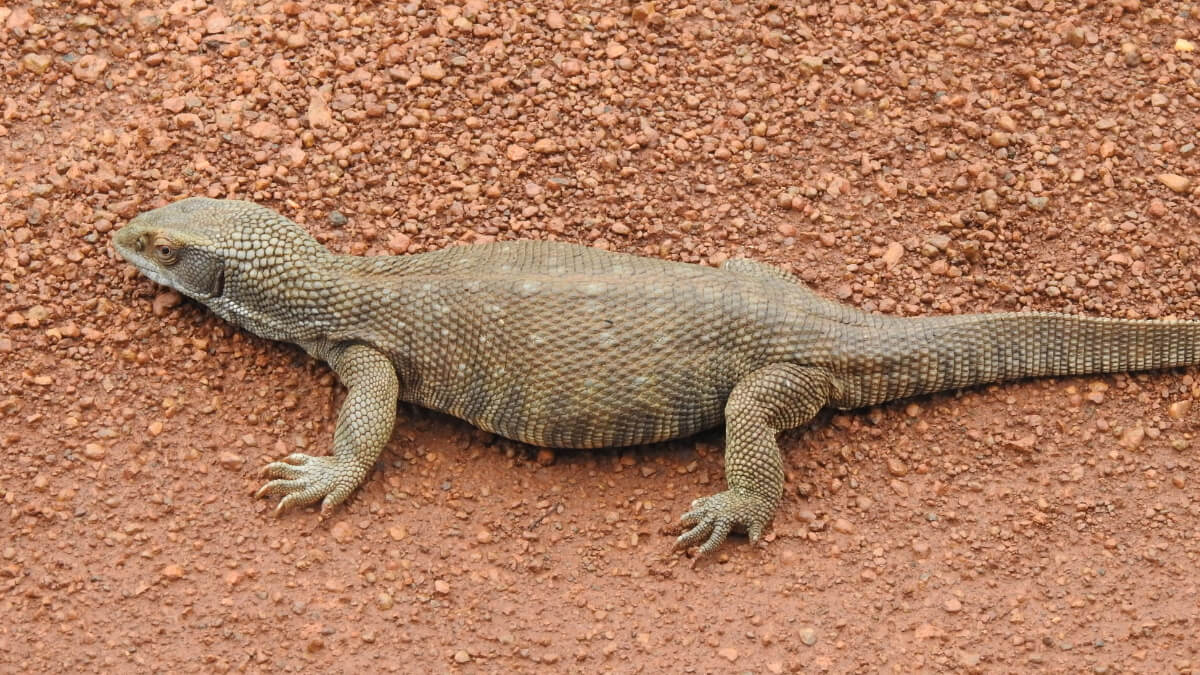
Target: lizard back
{"x":564,"y":345}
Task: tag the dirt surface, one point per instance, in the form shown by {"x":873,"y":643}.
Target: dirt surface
{"x":905,"y":157}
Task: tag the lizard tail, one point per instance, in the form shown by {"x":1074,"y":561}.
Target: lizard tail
{"x":924,"y":355}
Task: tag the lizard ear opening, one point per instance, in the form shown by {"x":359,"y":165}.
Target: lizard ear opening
{"x":198,"y":273}
{"x":218,"y":284}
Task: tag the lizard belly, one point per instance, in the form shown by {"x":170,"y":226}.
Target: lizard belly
{"x":589,"y":408}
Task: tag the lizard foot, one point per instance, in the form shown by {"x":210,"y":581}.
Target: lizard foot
{"x":714,"y":517}
{"x":303,"y":479}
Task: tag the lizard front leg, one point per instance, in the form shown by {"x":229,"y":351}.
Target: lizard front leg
{"x":364,"y":426}
{"x":765,"y":402}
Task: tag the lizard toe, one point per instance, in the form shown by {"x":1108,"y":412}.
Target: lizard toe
{"x":278,"y":486}
{"x":713,"y":518}
{"x":712,"y":531}
{"x":294,"y":499}
{"x":303,"y":479}
{"x":755,"y":531}
{"x":336,"y":496}
{"x":280,"y":470}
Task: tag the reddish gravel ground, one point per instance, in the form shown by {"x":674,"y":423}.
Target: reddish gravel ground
{"x":906,"y":157}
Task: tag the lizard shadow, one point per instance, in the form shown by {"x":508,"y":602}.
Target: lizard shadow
{"x":670,"y":473}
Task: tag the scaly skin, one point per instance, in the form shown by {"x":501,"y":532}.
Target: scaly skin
{"x":561,"y":345}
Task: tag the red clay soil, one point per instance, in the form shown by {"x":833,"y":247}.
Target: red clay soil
{"x":905,"y":157}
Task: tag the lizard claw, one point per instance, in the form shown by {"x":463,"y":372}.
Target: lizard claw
{"x":713,"y":518}
{"x":303,"y":479}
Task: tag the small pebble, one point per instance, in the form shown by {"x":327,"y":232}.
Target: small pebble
{"x":433,"y":71}
{"x":231,"y":461}
{"x":164,"y":302}
{"x":319,"y":115}
{"x":89,"y":68}
{"x":341,"y":532}
{"x":892,"y":254}
{"x":1175,"y":182}
{"x":811,"y":64}
{"x":1132,"y":437}
{"x":398,"y":242}
{"x":36,"y":63}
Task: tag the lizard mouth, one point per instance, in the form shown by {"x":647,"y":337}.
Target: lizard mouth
{"x":215,"y":289}
{"x":190,"y":281}
{"x":144,"y":266}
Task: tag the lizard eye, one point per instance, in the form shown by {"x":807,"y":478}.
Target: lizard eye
{"x":165,"y":252}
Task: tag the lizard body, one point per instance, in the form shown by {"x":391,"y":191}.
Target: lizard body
{"x":562,"y":345}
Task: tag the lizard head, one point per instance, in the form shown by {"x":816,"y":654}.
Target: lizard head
{"x":196,"y":245}
{"x":236,"y":257}
{"x":175,"y":248}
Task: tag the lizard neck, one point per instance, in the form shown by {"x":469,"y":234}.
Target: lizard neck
{"x":286,"y":299}
{"x":374,"y":266}
{"x":293,"y":300}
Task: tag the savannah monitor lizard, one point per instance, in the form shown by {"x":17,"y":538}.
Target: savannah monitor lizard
{"x":562,"y":345}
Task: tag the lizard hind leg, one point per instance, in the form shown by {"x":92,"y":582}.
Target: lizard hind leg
{"x":762,"y":404}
